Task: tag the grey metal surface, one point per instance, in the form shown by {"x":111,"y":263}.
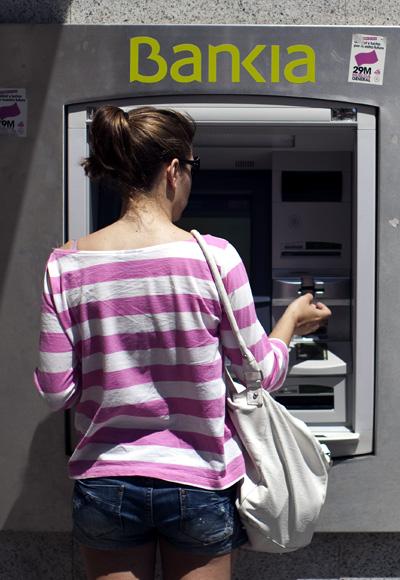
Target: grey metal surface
{"x":59,"y":65}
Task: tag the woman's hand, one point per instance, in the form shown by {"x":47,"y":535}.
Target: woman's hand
{"x":308,"y":316}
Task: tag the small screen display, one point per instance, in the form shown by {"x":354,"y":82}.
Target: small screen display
{"x":312,"y":186}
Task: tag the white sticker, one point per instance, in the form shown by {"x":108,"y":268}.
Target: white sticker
{"x":367,"y":60}
{"x":13,"y":107}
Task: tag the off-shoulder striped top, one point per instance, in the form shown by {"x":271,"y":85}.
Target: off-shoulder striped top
{"x":134,"y":340}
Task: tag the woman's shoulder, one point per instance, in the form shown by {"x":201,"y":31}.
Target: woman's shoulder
{"x":226,"y":255}
{"x":67,"y":246}
{"x":220,"y":243}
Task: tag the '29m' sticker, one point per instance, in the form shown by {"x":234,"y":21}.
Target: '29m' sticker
{"x":13,"y":112}
{"x":367,"y":59}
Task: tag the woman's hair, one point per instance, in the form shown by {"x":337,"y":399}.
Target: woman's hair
{"x":131,"y":147}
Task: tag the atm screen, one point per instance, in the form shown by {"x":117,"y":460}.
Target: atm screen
{"x":229,"y":205}
{"x":229,"y":219}
{"x":235,"y":205}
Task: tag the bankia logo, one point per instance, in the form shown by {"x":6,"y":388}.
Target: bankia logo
{"x":191,"y":64}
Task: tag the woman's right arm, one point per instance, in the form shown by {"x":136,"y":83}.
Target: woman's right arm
{"x":271,"y":352}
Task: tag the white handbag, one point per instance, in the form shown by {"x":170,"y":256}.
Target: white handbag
{"x":284,"y":488}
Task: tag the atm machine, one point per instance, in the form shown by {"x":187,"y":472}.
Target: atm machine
{"x":292,"y":185}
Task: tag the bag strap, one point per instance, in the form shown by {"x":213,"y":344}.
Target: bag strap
{"x":252,"y":372}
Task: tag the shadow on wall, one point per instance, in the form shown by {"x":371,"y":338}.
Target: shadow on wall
{"x":35,"y":11}
{"x":28,"y":56}
{"x":44,"y":503}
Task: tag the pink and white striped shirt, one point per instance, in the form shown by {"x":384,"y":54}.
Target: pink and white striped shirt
{"x":135,"y":340}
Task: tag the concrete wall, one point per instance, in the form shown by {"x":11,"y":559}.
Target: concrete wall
{"x":316,"y":12}
{"x":35,"y":492}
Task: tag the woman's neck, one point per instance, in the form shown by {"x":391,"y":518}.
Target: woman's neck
{"x":146,"y":214}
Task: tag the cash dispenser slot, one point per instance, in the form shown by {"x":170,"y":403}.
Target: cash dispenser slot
{"x":316,"y":400}
{"x":304,"y":397}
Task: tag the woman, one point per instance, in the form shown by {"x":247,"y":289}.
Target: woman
{"x":134,"y":337}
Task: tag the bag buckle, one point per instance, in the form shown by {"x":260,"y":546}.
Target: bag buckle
{"x":254,"y":396}
{"x":254,"y":387}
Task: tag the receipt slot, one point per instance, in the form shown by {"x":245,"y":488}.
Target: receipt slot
{"x":293,"y":188}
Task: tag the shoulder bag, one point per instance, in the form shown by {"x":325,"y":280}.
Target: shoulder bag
{"x":283,"y":490}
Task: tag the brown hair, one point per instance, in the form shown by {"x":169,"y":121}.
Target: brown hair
{"x":131,"y":147}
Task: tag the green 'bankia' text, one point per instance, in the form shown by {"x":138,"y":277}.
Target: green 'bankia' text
{"x":193,"y":57}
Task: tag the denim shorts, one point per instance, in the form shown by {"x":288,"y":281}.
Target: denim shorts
{"x":111,"y":513}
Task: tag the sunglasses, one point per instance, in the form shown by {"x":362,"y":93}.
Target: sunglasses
{"x":194,"y":164}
